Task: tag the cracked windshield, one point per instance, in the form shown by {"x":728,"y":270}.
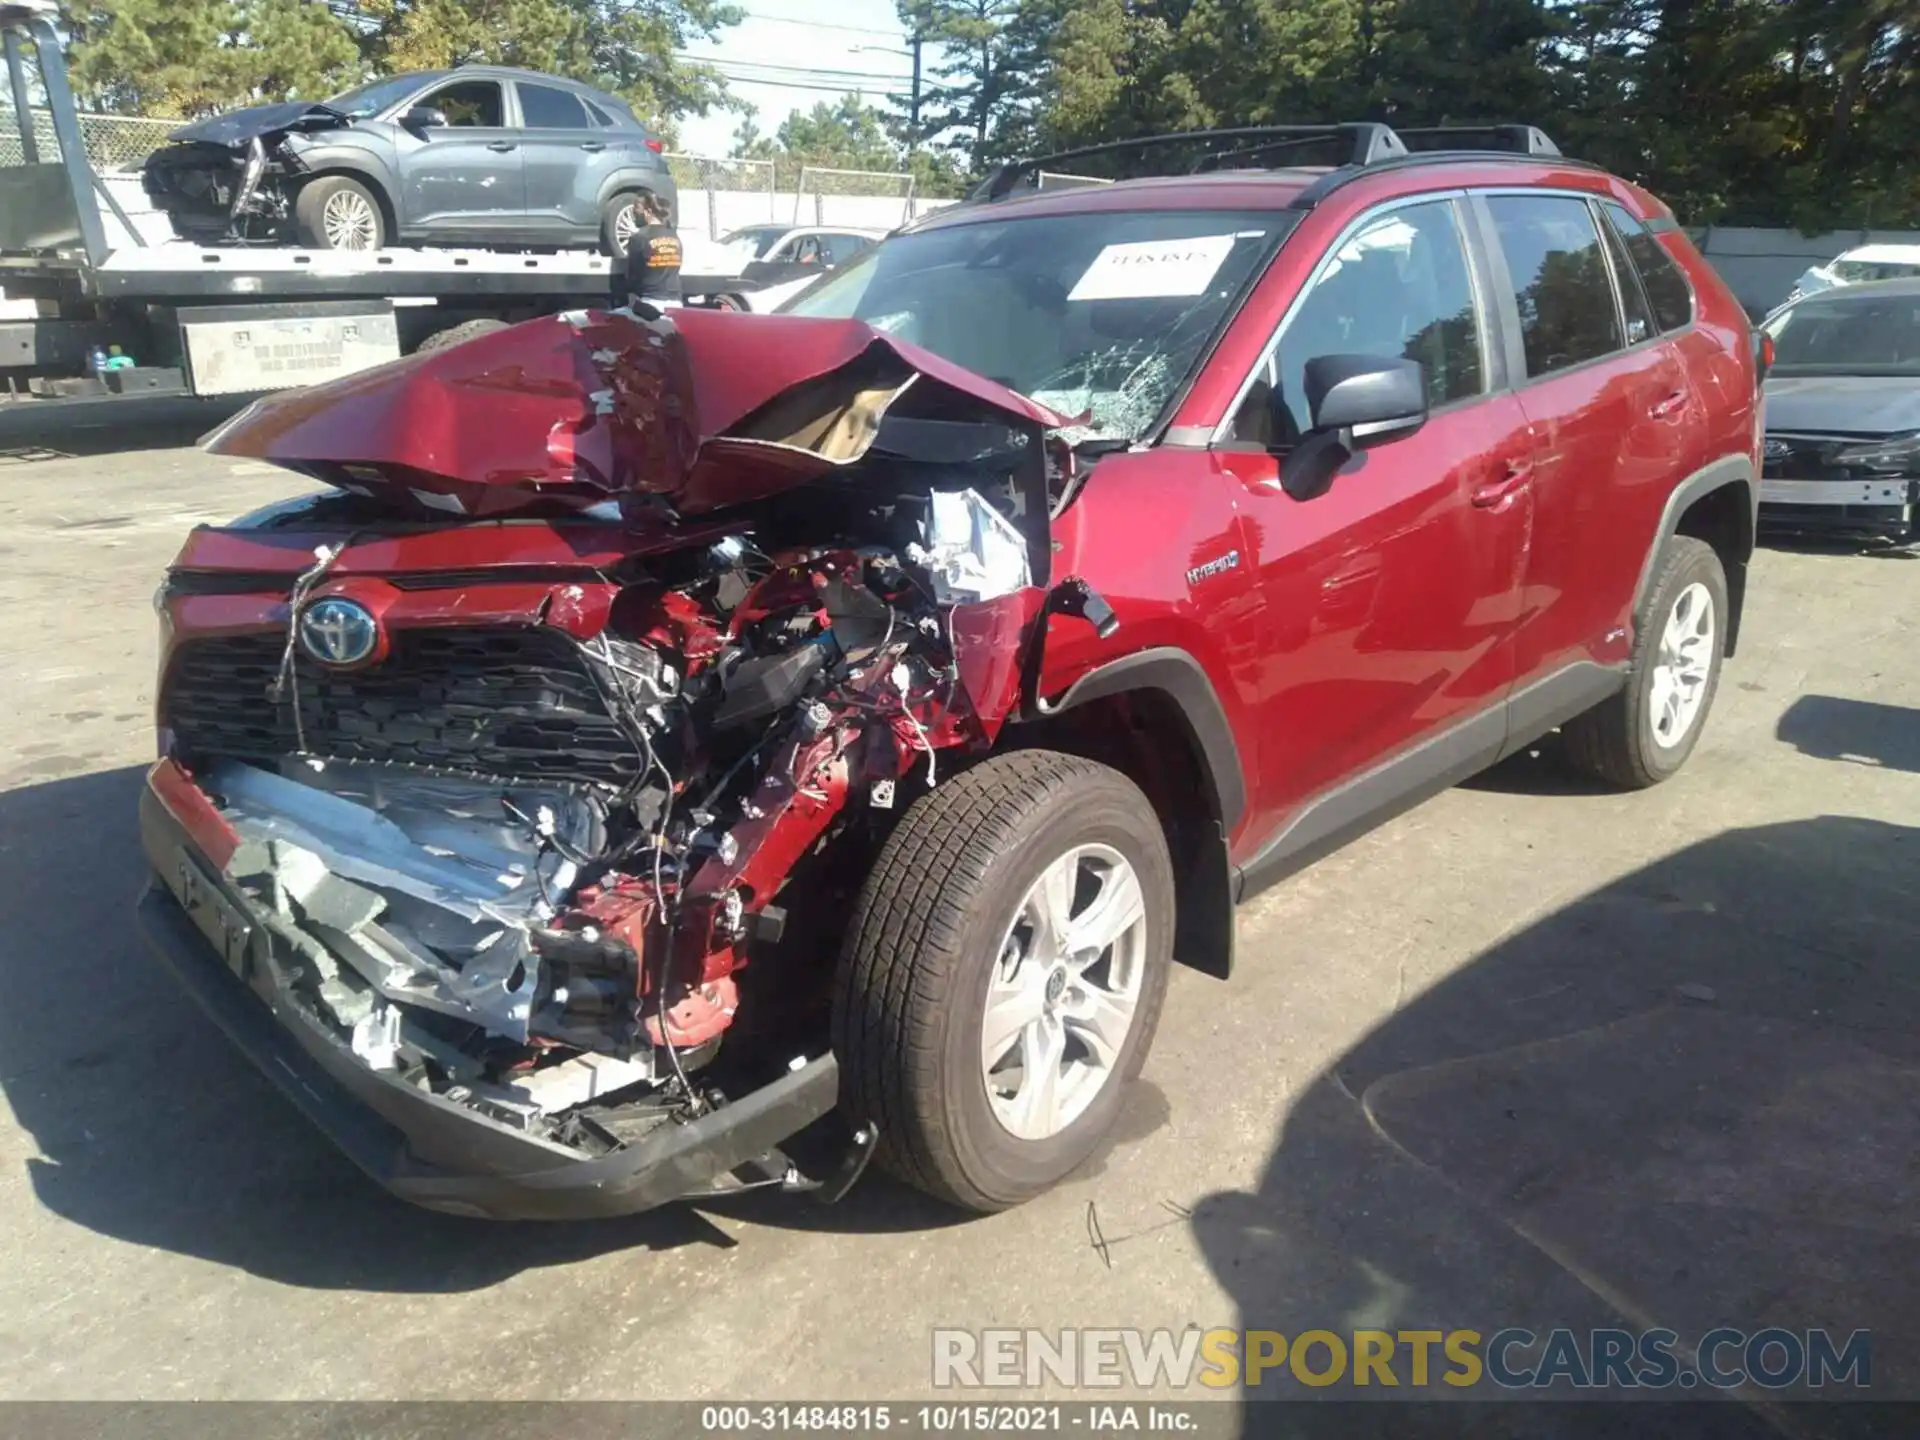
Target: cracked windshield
{"x":1097,"y":315}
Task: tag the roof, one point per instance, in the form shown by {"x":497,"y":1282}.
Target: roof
{"x":1292,"y":188}
{"x":1881,"y":253}
{"x":1906,"y":285}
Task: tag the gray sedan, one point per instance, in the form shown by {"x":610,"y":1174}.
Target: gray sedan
{"x":475,"y":156}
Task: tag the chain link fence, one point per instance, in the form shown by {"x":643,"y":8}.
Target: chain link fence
{"x":114,"y":143}
{"x":819,"y":193}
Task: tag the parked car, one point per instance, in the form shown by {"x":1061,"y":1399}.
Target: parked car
{"x":865,"y":705}
{"x":779,"y":261}
{"x":1859,"y":266}
{"x":474,"y":156}
{"x":1843,"y":414}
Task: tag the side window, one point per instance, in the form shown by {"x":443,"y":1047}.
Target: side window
{"x":1667,"y":288}
{"x":1398,"y":287}
{"x":1567,"y":313}
{"x":542,"y":107}
{"x":842,"y":248}
{"x":474,"y":103}
{"x":598,"y":116}
{"x":1633,"y":299}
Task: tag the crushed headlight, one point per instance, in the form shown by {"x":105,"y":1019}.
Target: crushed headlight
{"x":1899,"y":456}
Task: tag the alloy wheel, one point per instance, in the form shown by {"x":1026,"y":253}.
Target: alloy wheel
{"x":1683,"y":668}
{"x":348,"y":221}
{"x":626,"y":224}
{"x":1064,"y":992}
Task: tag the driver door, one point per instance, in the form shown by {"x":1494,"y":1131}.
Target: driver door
{"x":1389,"y":601}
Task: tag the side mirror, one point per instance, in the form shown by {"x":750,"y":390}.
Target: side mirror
{"x":424,"y":117}
{"x":1354,"y":401}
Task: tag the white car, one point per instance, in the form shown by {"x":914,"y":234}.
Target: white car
{"x":782,"y":260}
{"x":1858,"y":266}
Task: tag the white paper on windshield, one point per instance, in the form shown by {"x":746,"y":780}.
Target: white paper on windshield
{"x":1152,"y":269}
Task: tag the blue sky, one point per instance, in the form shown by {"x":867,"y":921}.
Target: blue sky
{"x":821,"y":50}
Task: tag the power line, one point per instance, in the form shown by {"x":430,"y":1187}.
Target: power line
{"x":823,"y":25}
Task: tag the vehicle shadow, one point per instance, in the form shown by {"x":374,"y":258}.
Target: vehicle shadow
{"x":1688,"y":1099}
{"x":152,"y":1129}
{"x":1858,"y":732}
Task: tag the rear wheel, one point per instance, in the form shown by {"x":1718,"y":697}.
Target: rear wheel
{"x":337,"y":213}
{"x":1003,"y":975}
{"x":1644,"y":734}
{"x":620,"y":221}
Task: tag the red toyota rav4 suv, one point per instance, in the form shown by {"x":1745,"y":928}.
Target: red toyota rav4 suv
{"x":678,"y":752}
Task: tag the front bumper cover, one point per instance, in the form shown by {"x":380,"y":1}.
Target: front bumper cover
{"x":1841,"y":508}
{"x":419,"y":1146}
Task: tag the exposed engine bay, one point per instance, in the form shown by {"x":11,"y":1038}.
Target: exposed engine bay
{"x":545,"y":850}
{"x":233,"y":177}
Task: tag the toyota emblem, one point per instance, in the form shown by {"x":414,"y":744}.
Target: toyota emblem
{"x":335,"y":631}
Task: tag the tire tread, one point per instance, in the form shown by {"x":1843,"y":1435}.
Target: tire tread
{"x":896,"y":978}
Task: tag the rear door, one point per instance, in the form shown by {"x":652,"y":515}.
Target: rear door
{"x":466,"y":179}
{"x":1389,"y":601}
{"x":566,"y":157}
{"x":1613,"y":419}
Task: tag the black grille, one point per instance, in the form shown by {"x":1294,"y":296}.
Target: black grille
{"x":492,"y":701}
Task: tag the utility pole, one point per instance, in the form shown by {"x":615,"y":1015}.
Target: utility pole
{"x":913,"y":102}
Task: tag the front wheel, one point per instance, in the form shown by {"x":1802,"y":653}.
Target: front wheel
{"x":1644,"y":734}
{"x":1003,"y":975}
{"x":335,"y":213}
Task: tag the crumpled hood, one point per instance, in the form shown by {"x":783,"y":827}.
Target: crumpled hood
{"x":237,"y":127}
{"x":1843,"y":404}
{"x":703,"y":409}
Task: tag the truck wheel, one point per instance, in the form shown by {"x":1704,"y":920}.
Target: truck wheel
{"x":458,"y":335}
{"x":620,"y":221}
{"x":1003,"y":975}
{"x":1645,"y":733}
{"x":335,"y":213}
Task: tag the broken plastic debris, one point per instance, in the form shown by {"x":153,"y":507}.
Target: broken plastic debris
{"x":973,"y":551}
{"x":376,"y":1038}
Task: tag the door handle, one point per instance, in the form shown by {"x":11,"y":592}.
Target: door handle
{"x":1661,"y":409}
{"x":593,"y":146}
{"x":502,"y":146}
{"x":1498,"y":495}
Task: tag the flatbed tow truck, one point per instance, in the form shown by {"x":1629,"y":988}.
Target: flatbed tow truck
{"x":197,"y":320}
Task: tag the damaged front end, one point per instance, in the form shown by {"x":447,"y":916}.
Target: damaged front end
{"x":535,"y":829}
{"x":232,"y":178}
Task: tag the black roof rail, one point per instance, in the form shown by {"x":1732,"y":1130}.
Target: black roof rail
{"x":1360,"y":143}
{"x":1359,"y":147}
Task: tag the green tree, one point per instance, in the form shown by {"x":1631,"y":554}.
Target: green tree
{"x":987,"y":66}
{"x":625,"y":46}
{"x":192,"y":57}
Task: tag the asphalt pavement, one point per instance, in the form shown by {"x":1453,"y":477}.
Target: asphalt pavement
{"x":1532,"y":1055}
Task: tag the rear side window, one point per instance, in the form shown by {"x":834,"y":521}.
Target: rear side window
{"x":1560,"y":280}
{"x":544,"y":108}
{"x":600,"y":117}
{"x":1666,"y":284}
{"x":1633,"y":299}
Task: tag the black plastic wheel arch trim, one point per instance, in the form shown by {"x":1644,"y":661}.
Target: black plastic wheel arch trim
{"x":1178,"y":675}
